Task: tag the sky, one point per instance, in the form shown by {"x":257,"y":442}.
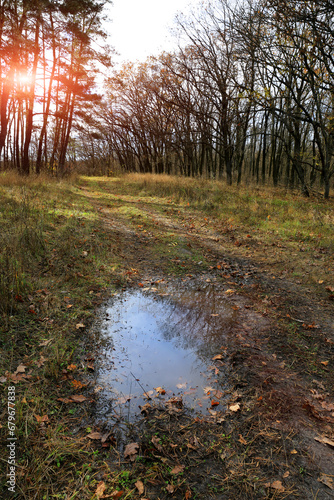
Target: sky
{"x":139,"y":28}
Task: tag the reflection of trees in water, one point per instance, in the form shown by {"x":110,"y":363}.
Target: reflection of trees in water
{"x":190,"y":324}
{"x":184,"y":317}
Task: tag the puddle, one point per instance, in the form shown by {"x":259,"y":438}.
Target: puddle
{"x":161,"y":345}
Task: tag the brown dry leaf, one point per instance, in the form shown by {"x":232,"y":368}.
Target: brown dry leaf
{"x":71,"y":368}
{"x":294,"y":452}
{"x":77,"y":384}
{"x":65,"y":400}
{"x":218,"y":356}
{"x":214,"y":403}
{"x":218,"y":394}
{"x":156,"y":443}
{"x":20,"y":369}
{"x":328,"y":481}
{"x":276,"y":485}
{"x":140,"y":487}
{"x":115,"y":494}
{"x":177,"y":469}
{"x":181,"y":386}
{"x":324,"y":440}
{"x":79,"y":325}
{"x":242,"y":440}
{"x":170,"y":488}
{"x":3,"y":380}
{"x":327,"y":406}
{"x":325,"y":363}
{"x":330,"y":289}
{"x":286,"y":474}
{"x":146,"y":408}
{"x":39,"y":419}
{"x":235,"y":407}
{"x":78,"y":398}
{"x":101,"y":487}
{"x":160,"y":390}
{"x":45,"y":343}
{"x":188,"y":495}
{"x":41,"y":361}
{"x":131,"y":451}
{"x":24,"y":401}
{"x":95,"y":436}
{"x":230,"y":291}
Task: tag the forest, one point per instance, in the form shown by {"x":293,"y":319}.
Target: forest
{"x":247,"y":95}
{"x":166,"y":254}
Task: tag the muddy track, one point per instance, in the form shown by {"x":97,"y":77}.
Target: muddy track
{"x":282,"y":396}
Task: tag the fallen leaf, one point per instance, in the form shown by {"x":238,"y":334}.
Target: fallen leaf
{"x":242,"y":440}
{"x":101,"y":487}
{"x":39,"y":419}
{"x":77,"y":384}
{"x":181,"y":386}
{"x":20,"y":369}
{"x":327,"y":481}
{"x":115,"y":494}
{"x":218,"y":356}
{"x":146,"y":408}
{"x":79,"y":325}
{"x":212,"y":412}
{"x":65,"y":400}
{"x":187,"y":495}
{"x":208,"y":389}
{"x":325,"y":363}
{"x":324,"y":440}
{"x":170,"y":488}
{"x":276,"y":485}
{"x":41,"y":361}
{"x":330,"y":289}
{"x":294,"y":452}
{"x":156,"y":443}
{"x":45,"y":343}
{"x":96,"y":436}
{"x":327,"y":406}
{"x":3,"y":380}
{"x":160,"y":390}
{"x":131,"y":451}
{"x":78,"y":398}
{"x":24,"y":401}
{"x":235,"y":407}
{"x":71,"y":368}
{"x":140,"y":487}
{"x":286,"y":474}
{"x":214,"y":403}
{"x":177,"y":469}
{"x":230,"y":291}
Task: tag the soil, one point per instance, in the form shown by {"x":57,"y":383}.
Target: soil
{"x":277,"y":441}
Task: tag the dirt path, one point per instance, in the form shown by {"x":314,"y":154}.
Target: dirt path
{"x":279,"y":443}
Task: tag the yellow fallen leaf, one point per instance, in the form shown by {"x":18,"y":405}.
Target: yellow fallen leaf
{"x":79,"y":325}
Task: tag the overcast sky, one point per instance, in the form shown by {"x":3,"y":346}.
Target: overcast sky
{"x":139,"y":28}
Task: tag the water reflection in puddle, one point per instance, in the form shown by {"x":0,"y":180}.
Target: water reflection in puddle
{"x":162,"y":347}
